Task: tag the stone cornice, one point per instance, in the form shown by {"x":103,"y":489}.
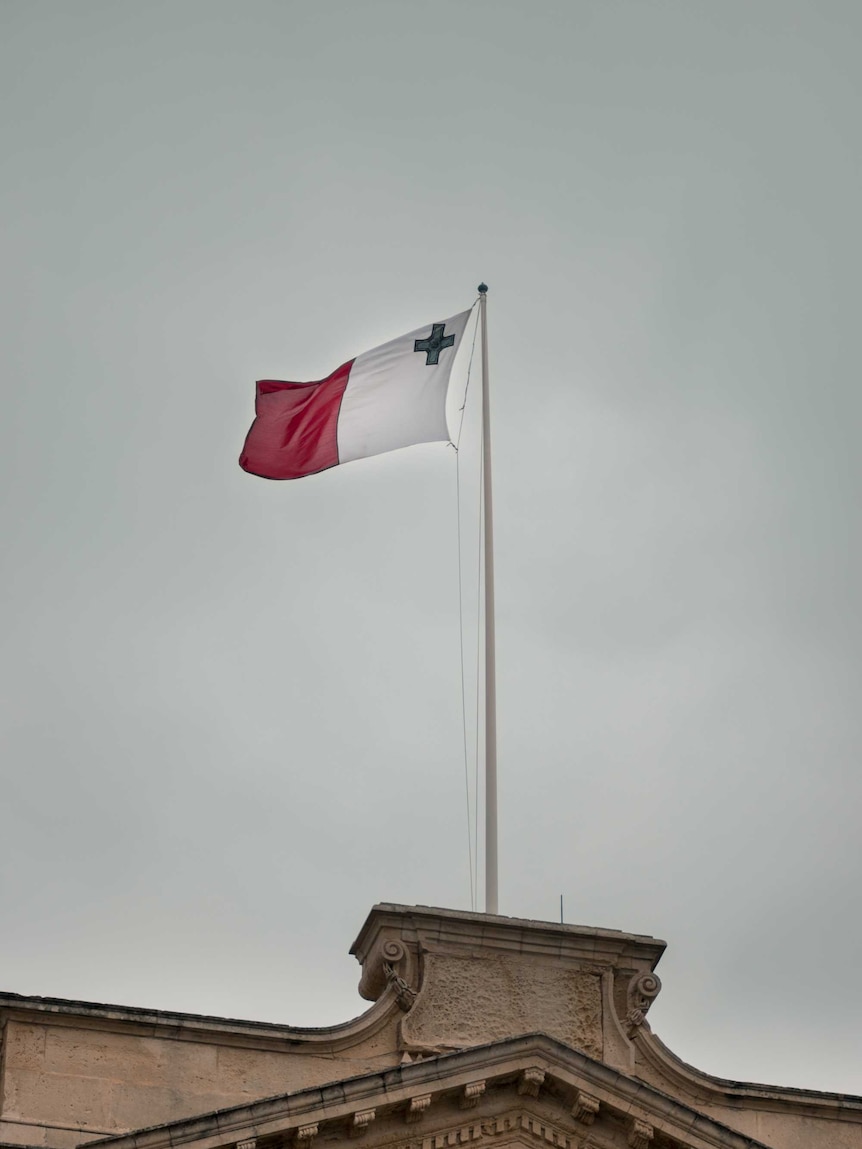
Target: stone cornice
{"x":578,"y":1086}
{"x":424,"y":929}
{"x":767,"y":1098}
{"x":200,"y":1027}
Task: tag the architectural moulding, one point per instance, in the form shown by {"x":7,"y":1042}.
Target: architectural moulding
{"x":477,"y":977}
{"x":628,"y":1113}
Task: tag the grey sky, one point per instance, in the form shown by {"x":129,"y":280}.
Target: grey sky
{"x":231,"y":708}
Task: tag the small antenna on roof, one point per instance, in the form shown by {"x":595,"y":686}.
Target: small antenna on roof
{"x":561,"y":909}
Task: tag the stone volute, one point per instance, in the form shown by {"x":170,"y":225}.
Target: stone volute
{"x":464,"y":979}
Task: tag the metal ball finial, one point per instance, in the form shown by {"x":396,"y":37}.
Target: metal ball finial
{"x":483,"y":288}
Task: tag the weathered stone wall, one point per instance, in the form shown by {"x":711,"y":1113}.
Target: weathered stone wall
{"x":784,"y":1118}
{"x":790,"y":1129}
{"x":65,"y":1083}
{"x":467,"y":1001}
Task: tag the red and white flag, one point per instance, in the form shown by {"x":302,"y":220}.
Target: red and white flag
{"x":387,"y":398}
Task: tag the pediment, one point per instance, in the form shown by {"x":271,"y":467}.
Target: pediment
{"x":520,"y":1093}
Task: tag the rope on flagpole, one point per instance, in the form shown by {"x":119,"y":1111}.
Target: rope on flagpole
{"x":463,"y":406}
{"x":472,"y":835}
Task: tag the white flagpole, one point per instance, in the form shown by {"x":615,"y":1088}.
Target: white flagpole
{"x":491,"y":904}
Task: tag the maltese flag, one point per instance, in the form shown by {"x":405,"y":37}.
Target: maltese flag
{"x":387,"y":398}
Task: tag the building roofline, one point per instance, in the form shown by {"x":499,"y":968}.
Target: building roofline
{"x":156,"y":1017}
{"x":489,"y":924}
{"x":331,"y":1104}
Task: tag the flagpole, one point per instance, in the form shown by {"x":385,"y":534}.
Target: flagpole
{"x":491,"y":903}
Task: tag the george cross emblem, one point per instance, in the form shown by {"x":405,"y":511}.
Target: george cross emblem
{"x":434,"y":344}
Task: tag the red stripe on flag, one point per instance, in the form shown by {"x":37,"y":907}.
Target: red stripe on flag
{"x":295,"y":429}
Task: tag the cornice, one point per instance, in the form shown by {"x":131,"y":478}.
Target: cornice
{"x":420,"y":930}
{"x":201,"y":1027}
{"x":722,"y":1091}
{"x":577,"y":1086}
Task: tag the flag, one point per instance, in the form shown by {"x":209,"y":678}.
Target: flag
{"x":383,"y":399}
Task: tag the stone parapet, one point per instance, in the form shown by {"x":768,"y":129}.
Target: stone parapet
{"x":466,"y":979}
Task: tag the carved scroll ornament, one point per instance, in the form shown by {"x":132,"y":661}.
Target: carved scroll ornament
{"x":642,"y":991}
{"x":361,"y":1121}
{"x":640,"y":1133}
{"x":531,"y":1081}
{"x":585,"y":1108}
{"x":417,"y":1107}
{"x":404,"y":994}
{"x":472,"y":1094}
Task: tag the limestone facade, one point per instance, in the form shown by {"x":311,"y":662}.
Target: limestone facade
{"x":482,"y":1028}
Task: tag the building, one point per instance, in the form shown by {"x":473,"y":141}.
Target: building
{"x":484,"y":1029}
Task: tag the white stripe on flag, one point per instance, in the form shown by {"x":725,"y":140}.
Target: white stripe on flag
{"x":394,"y":397}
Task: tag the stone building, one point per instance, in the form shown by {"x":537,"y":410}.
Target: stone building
{"x":484,"y":1029}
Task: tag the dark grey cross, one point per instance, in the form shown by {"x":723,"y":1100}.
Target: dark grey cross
{"x":434,"y":344}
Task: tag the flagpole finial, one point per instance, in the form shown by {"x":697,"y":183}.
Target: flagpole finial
{"x":483,"y":288}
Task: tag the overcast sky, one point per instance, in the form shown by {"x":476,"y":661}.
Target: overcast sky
{"x":231,"y":709}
